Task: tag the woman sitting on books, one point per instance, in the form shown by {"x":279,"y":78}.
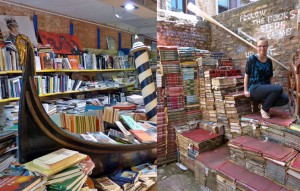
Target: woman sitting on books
{"x":259,"y":81}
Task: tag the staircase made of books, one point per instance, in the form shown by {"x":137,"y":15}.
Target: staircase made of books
{"x":261,"y":154}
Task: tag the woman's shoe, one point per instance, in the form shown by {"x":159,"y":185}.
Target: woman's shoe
{"x":264,"y":114}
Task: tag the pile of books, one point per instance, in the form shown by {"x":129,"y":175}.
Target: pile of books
{"x":190,"y":87}
{"x":250,"y":127}
{"x":202,"y":98}
{"x":140,"y":177}
{"x":293,"y":174}
{"x":168,"y":53}
{"x":236,"y":105}
{"x":199,"y":139}
{"x":231,"y":176}
{"x":273,"y":132}
{"x":265,"y":158}
{"x":63,"y":169}
{"x":217,"y":128}
{"x":207,"y":163}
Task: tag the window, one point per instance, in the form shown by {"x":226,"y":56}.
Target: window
{"x":177,"y":5}
{"x":223,"y":5}
{"x":181,"y":6}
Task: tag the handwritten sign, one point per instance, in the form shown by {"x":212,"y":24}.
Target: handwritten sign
{"x":190,"y":37}
{"x":274,"y":26}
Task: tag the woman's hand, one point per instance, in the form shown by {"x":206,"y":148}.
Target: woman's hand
{"x":247,"y":93}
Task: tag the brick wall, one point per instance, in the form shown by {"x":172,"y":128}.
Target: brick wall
{"x":178,"y":29}
{"x":274,"y":19}
{"x":86,"y":32}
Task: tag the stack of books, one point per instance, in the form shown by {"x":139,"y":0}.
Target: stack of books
{"x":225,"y":63}
{"x":140,"y":177}
{"x":293,"y":174}
{"x":206,"y":63}
{"x":265,"y":158}
{"x":195,"y":141}
{"x":231,"y":176}
{"x":187,"y":54}
{"x":236,"y":104}
{"x":161,"y":128}
{"x":207,"y":163}
{"x":190,"y":87}
{"x":217,"y":128}
{"x":250,"y":127}
{"x":273,"y":132}
{"x":202,"y":99}
{"x":63,"y":169}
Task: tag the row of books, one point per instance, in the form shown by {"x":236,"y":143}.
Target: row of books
{"x":124,"y":135}
{"x":50,"y":61}
{"x":9,"y":59}
{"x":8,"y":148}
{"x":56,"y":83}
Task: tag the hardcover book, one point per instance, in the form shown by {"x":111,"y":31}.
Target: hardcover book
{"x":54,"y":159}
{"x":23,"y":183}
{"x":67,"y":184}
{"x":74,"y":61}
{"x":125,"y":176}
{"x":142,"y":136}
{"x":120,"y":137}
{"x":48,"y":172}
{"x":105,"y":183}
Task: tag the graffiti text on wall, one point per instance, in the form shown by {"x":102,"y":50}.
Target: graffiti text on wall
{"x":274,"y":26}
{"x":186,"y":38}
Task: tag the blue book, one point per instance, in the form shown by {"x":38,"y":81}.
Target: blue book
{"x":125,"y":176}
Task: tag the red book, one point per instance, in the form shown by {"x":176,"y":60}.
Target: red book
{"x":74,"y":61}
{"x":142,"y":136}
{"x":87,"y":165}
{"x":46,"y":62}
{"x":19,"y":182}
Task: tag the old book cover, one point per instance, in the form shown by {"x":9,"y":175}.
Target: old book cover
{"x":48,"y":172}
{"x":74,"y":61}
{"x":87,"y":165}
{"x":125,"y":176}
{"x":105,"y":183}
{"x":142,"y":136}
{"x":51,"y":160}
{"x":46,"y":62}
{"x":67,"y":184}
{"x":18,"y":182}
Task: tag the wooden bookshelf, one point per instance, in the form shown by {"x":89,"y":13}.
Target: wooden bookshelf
{"x":66,"y":71}
{"x":68,"y":92}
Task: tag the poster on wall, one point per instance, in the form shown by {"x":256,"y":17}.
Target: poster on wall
{"x":21,"y":24}
{"x":61,"y":43}
{"x":111,"y":43}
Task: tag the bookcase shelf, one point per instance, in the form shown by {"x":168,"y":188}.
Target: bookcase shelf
{"x":71,"y":71}
{"x":68,"y":92}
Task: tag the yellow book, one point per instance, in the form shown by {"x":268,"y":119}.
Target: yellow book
{"x":48,"y":172}
{"x":54,"y":159}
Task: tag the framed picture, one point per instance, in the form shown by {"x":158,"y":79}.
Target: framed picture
{"x":23,"y":23}
{"x":111,"y":43}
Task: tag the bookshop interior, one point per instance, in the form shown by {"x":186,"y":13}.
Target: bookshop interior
{"x":146,"y":95}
